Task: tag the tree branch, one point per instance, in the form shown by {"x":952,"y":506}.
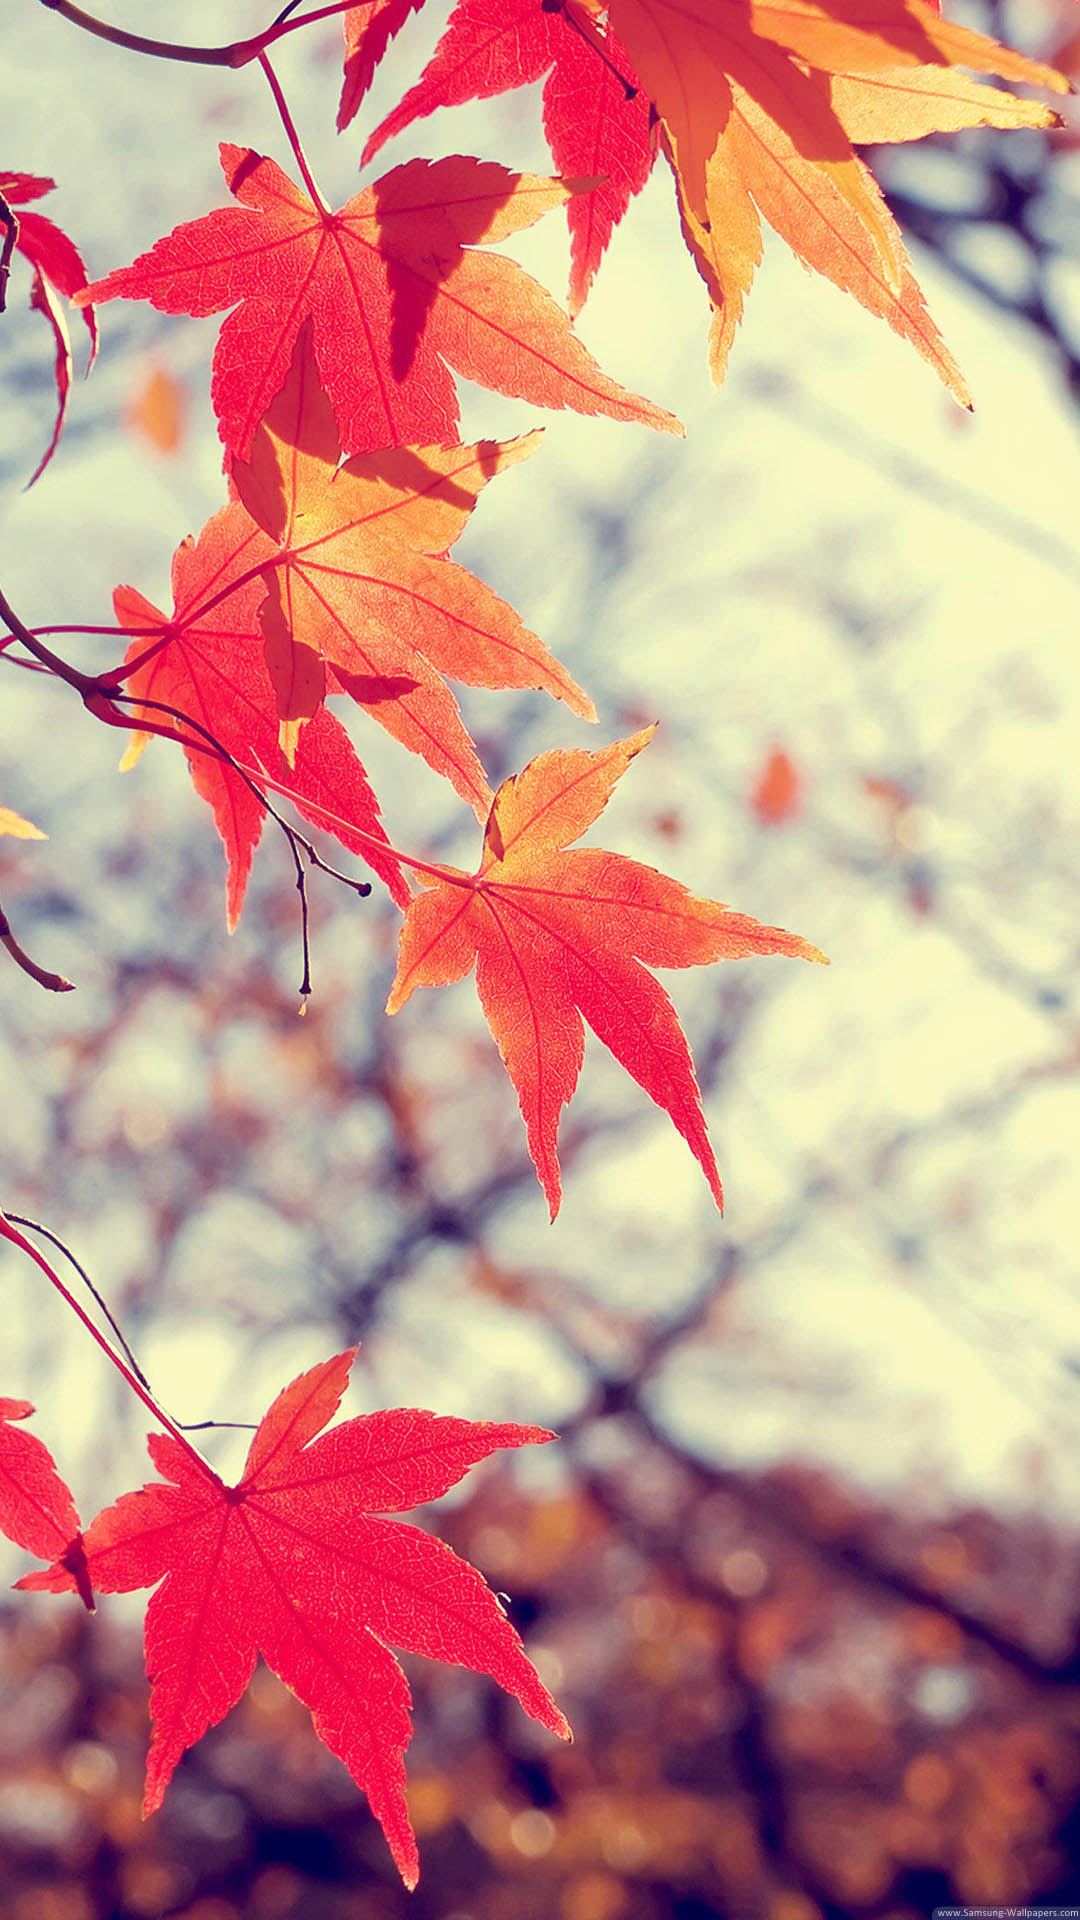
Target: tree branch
{"x":53,"y":982}
{"x":238,"y":53}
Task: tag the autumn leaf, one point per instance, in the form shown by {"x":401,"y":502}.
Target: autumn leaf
{"x":759,"y":106}
{"x":36,"y":1508}
{"x":395,"y":293}
{"x":776,"y":794}
{"x":157,"y":410}
{"x":291,"y":1563}
{"x":207,"y":661}
{"x":14,"y":824}
{"x":555,"y":935}
{"x":363,"y":587}
{"x":878,"y":108}
{"x":58,"y":269}
{"x":369,"y":29}
{"x":595,"y":116}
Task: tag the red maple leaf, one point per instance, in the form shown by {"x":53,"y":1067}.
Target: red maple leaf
{"x":363,"y":593}
{"x":36,"y":1507}
{"x":57,"y":268}
{"x":395,"y":294}
{"x":291,"y":1563}
{"x":594,"y":130}
{"x":369,"y":29}
{"x":555,"y":935}
{"x":211,"y":667}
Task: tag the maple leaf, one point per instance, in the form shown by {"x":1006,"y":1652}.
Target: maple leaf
{"x":369,"y":29}
{"x":363,"y":586}
{"x":36,"y":1507}
{"x":211,"y":667}
{"x":396,"y":296}
{"x":557,"y":934}
{"x":58,"y":268}
{"x":760,"y":104}
{"x":592,"y":127}
{"x":291,"y":1563}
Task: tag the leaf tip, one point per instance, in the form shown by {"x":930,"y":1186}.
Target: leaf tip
{"x":16,"y":1409}
{"x":636,"y":742}
{"x":550,"y":1178}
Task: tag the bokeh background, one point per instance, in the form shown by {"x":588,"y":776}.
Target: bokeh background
{"x":803,"y":1566}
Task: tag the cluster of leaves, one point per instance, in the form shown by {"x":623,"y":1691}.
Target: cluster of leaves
{"x":328,"y":573}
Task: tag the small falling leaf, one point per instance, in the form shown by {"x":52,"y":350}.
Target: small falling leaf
{"x":776,"y":795}
{"x":158,"y":411}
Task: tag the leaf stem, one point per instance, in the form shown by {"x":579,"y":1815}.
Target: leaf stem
{"x":257,"y":779}
{"x":47,"y":1233}
{"x":134,"y":631}
{"x":10,"y":1232}
{"x":293,"y":136}
{"x":93,"y":689}
{"x":127,"y":667}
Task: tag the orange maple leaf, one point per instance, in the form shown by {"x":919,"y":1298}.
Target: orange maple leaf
{"x":557,"y":934}
{"x":207,"y":662}
{"x":759,"y":104}
{"x":362,"y":587}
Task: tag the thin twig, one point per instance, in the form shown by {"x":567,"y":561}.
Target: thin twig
{"x":200,"y":1426}
{"x":91,"y":689}
{"x":47,"y":1233}
{"x":305,"y":942}
{"x":297,"y":841}
{"x":280,"y":18}
{"x":237,"y":53}
{"x":185,"y":1426}
{"x":362,"y":887}
{"x":9,"y":1231}
{"x":292,"y":136}
{"x":53,"y":982}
